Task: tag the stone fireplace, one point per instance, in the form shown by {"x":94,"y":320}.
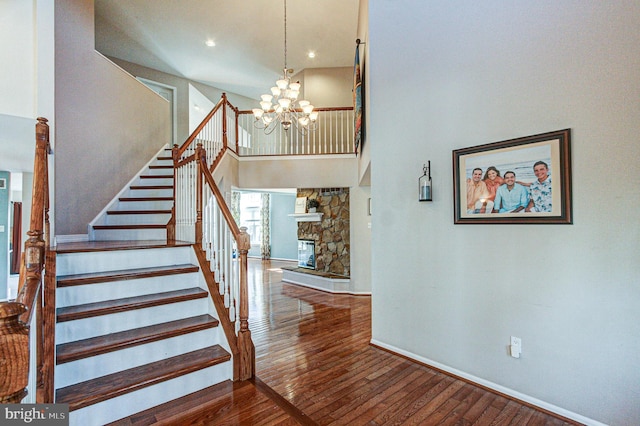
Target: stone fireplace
{"x":331,"y":233}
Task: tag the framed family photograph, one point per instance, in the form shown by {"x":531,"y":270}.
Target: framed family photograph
{"x":518,"y":181}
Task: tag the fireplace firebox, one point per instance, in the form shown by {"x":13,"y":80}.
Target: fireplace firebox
{"x":307,"y":254}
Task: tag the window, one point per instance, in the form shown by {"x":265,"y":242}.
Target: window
{"x":250,"y":207}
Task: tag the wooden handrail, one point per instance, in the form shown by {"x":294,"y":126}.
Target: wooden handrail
{"x":16,"y":317}
{"x":194,"y":134}
{"x":224,"y":209}
{"x":325,"y":109}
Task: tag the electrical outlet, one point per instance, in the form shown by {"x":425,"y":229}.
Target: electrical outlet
{"x":516,"y":347}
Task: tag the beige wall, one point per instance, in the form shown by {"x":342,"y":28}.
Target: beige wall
{"x":327,"y":87}
{"x":452,"y":295}
{"x":182,"y":95}
{"x":108,"y":125}
{"x":290,"y":172}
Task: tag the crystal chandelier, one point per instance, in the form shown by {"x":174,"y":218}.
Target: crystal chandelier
{"x":282,"y":105}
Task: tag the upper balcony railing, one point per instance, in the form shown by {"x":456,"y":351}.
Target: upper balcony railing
{"x":333,"y":135}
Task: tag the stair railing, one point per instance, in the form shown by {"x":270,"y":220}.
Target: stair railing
{"x":201,"y":216}
{"x":29,"y":320}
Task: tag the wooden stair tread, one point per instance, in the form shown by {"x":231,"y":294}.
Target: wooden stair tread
{"x":80,"y":349}
{"x":145,"y":199}
{"x":134,"y":226}
{"x":139,"y":212}
{"x":152,"y":186}
{"x":110,"y":386}
{"x":94,"y":246}
{"x":160,"y":166}
{"x":156,"y":177}
{"x":71,"y":313}
{"x":127,"y":274}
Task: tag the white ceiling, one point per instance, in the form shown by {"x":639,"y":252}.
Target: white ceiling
{"x":170,"y":36}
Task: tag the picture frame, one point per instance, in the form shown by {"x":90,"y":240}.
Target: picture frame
{"x":541,"y":168}
{"x":301,"y":205}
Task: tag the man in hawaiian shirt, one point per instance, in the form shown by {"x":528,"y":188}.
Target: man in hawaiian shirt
{"x":478,"y":194}
{"x":540,"y":190}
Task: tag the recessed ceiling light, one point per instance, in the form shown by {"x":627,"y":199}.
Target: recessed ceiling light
{"x":210,"y":43}
{"x":311,"y":55}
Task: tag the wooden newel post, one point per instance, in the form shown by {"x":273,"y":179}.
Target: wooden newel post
{"x":245,"y":344}
{"x":14,"y":353}
{"x":34,"y":247}
{"x":43,"y":149}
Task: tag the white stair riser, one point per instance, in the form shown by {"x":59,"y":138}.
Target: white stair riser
{"x":149,"y":192}
{"x":100,"y":261}
{"x":156,"y":172}
{"x":100,"y":365}
{"x":144,"y":205}
{"x":90,"y":293}
{"x":131,"y":403}
{"x":154,"y":181}
{"x":69,"y":331}
{"x":159,"y":162}
{"x":137,"y":219}
{"x":130,"y":234}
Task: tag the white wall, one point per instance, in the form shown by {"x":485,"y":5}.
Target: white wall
{"x":26,"y":55}
{"x":17,"y":56}
{"x":360,"y":242}
{"x":465,"y":73}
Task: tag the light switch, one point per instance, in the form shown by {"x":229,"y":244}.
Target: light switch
{"x":1,"y":228}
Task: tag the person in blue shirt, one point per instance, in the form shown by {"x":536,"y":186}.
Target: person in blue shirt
{"x":511,"y":197}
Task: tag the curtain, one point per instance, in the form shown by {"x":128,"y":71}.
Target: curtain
{"x":16,"y":240}
{"x":235,"y":206}
{"x":265,"y":214}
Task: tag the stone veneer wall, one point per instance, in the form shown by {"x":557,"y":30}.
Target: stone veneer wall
{"x":331,"y":234}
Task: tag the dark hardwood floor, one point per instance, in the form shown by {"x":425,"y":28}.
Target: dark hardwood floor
{"x":315,"y":366}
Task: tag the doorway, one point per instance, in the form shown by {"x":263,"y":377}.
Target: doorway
{"x":168,"y":93}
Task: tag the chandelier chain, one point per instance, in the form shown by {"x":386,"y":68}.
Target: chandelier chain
{"x":286,"y":109}
{"x":285,"y":34}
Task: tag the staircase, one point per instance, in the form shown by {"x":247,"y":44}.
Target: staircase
{"x":135,"y":326}
{"x":142,"y":210}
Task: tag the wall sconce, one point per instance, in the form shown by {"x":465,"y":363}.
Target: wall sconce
{"x":424,"y":184}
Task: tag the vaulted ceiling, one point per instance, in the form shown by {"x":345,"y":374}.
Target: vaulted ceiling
{"x":248,"y":56}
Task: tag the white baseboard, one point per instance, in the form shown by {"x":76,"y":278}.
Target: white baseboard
{"x":498,"y":388}
{"x":71,"y":238}
{"x":329,"y":285}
